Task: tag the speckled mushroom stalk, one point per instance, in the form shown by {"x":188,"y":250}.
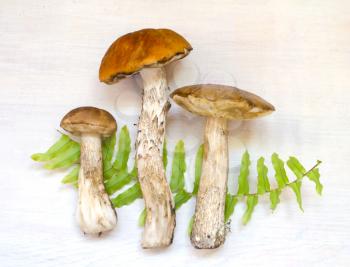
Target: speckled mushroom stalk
{"x":95,"y":213}
{"x":147,"y":52}
{"x":208,"y":228}
{"x":160,"y":220}
{"x":219,"y":104}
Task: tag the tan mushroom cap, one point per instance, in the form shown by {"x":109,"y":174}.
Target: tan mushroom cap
{"x":141,"y":49}
{"x":89,"y":120}
{"x":213,"y":100}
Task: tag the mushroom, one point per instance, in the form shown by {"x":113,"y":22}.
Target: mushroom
{"x":219,"y":104}
{"x":147,"y":52}
{"x":95,"y":213}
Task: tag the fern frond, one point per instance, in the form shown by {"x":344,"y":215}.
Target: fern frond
{"x":263,"y":180}
{"x":298,"y":169}
{"x":142,"y":218}
{"x":181,"y":198}
{"x":65,"y":153}
{"x":190,"y":225}
{"x":275,"y":198}
{"x":263,"y":186}
{"x":165,"y":154}
{"x":58,"y":147}
{"x":124,"y":147}
{"x":118,"y":181}
{"x":198,"y":168}
{"x":280,"y":172}
{"x":296,"y":185}
{"x":243,"y":184}
{"x":108,"y":146}
{"x":177,"y":179}
{"x":65,"y":159}
{"x":128,"y":196}
{"x":314,"y":176}
{"x":252,"y":201}
{"x":72,"y":176}
{"x":230,"y":205}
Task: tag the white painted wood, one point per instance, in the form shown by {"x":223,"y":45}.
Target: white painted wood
{"x":295,"y":54}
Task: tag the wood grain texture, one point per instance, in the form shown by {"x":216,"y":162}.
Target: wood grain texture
{"x":293,"y":53}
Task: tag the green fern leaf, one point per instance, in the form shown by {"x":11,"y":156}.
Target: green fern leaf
{"x":190,"y":226}
{"x":296,"y":189}
{"x":299,"y":171}
{"x":72,"y":176}
{"x":275,"y":198}
{"x":142,"y":218}
{"x":177,"y":180}
{"x":133,"y":172}
{"x":263,"y":180}
{"x":280,"y":172}
{"x":108,"y":145}
{"x":58,"y":147}
{"x":252,"y":201}
{"x":128,"y":196}
{"x":124,"y":148}
{"x":66,"y":159}
{"x":230,"y":205}
{"x":198,"y":169}
{"x":296,"y":167}
{"x":165,"y":154}
{"x":181,"y":198}
{"x":314,"y":175}
{"x":118,"y":181}
{"x":243,"y":184}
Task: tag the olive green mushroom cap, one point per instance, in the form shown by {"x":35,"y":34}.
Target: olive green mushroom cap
{"x":89,"y":120}
{"x":221,"y":101}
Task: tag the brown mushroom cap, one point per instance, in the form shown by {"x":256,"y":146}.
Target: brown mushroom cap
{"x":89,"y":120}
{"x":221,"y":101}
{"x":141,"y":49}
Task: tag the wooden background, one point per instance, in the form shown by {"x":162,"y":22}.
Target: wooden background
{"x":295,"y":53}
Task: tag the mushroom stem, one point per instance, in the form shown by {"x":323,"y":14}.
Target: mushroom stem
{"x":95,"y":213}
{"x":160,"y":220}
{"x":208,"y":227}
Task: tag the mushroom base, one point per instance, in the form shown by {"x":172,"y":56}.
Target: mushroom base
{"x":95,"y":213}
{"x":209,"y":227}
{"x":160,"y":219}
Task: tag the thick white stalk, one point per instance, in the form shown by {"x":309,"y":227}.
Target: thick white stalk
{"x":160,"y":220}
{"x":95,"y":213}
{"x":208,"y":227}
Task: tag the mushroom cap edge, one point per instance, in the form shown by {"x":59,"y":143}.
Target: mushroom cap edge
{"x":222,"y":101}
{"x":89,"y":120}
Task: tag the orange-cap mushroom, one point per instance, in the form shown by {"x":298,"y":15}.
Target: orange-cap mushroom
{"x":147,"y":52}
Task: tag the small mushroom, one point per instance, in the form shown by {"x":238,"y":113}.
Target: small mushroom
{"x":218,"y":103}
{"x":95,"y":213}
{"x":147,"y":52}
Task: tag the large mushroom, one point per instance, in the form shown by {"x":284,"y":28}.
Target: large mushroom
{"x":95,"y":213}
{"x":219,"y":104}
{"x":147,"y":52}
